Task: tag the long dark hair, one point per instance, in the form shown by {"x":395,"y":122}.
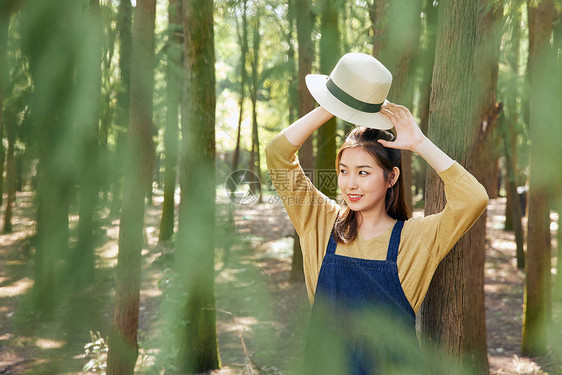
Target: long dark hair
{"x":345,"y":229}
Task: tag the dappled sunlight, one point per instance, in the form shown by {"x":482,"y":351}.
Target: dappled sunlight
{"x":17,"y":288}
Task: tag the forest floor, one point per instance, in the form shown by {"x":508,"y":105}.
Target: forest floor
{"x":261,"y":316}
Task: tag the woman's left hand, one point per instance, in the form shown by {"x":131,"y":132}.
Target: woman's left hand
{"x":408,"y":133}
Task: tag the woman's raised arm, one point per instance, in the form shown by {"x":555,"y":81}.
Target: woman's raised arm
{"x":301,"y":129}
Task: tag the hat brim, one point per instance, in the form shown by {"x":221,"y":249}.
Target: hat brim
{"x":316,"y":84}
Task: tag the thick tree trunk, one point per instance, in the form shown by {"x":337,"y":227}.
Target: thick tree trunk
{"x":450,"y":127}
{"x":197,"y":340}
{"x":379,"y":25}
{"x":123,"y":345}
{"x":326,"y":134}
{"x":305,"y":104}
{"x":483,"y":155}
{"x":402,"y":36}
{"x":4,"y":25}
{"x":83,"y":258}
{"x":171,"y":133}
{"x":537,"y":266}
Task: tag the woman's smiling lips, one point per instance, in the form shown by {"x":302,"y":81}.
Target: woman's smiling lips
{"x":354,"y":197}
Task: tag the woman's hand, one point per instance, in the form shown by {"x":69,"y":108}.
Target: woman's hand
{"x":408,"y":134}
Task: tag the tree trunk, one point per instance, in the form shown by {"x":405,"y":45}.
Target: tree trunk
{"x":379,"y":25}
{"x":255,"y":164}
{"x":4,"y":25}
{"x":402,"y":36}
{"x":243,"y":41}
{"x":508,"y":126}
{"x":427,"y":56}
{"x":483,"y":154}
{"x":171,"y":133}
{"x":198,"y":350}
{"x":83,"y":258}
{"x":557,"y":186}
{"x":537,"y":266}
{"x":124,"y":30}
{"x":123,"y":345}
{"x":326,"y":134}
{"x":450,"y":127}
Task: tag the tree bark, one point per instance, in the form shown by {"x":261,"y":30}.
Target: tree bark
{"x":326,"y":134}
{"x":450,"y":127}
{"x":537,"y":266}
{"x":402,"y":36}
{"x":124,"y":30}
{"x":123,"y":345}
{"x":83,"y":259}
{"x":243,"y":41}
{"x":174,"y":84}
{"x":197,"y":340}
{"x":483,"y":154}
{"x":255,"y":163}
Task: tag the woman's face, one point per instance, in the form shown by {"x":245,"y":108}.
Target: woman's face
{"x":361,"y":180}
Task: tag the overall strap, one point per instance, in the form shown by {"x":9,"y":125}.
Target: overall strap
{"x":331,"y":244}
{"x":392,"y":252}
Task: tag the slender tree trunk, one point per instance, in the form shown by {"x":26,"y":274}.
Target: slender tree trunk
{"x":124,"y":30}
{"x":557,"y":186}
{"x":537,"y":265}
{"x":508,"y":126}
{"x":198,"y":349}
{"x":450,"y":127}
{"x":4,"y":25}
{"x":243,"y":40}
{"x":255,"y":165}
{"x":123,"y":345}
{"x":171,"y":134}
{"x":326,"y":135}
{"x":10,"y":176}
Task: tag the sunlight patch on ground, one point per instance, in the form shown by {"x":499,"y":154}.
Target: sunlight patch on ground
{"x":519,"y":365}
{"x":17,"y":288}
{"x":10,"y":239}
{"x":503,"y":245}
{"x":44,"y":343}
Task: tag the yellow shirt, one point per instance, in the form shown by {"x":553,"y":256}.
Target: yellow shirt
{"x":424,"y":243}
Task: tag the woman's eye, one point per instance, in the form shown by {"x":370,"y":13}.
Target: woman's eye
{"x":343,"y":171}
{"x":363,"y":172}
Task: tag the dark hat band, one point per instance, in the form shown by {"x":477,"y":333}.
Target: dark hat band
{"x":345,"y":98}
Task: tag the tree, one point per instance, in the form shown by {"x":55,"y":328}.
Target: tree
{"x":305,"y":104}
{"x":442,"y":315}
{"x":174,"y":83}
{"x":255,"y":164}
{"x":326,"y":134}
{"x":483,"y":156}
{"x":400,"y":36}
{"x":124,"y":31}
{"x":537,"y":265}
{"x":194,"y":257}
{"x":83,"y":259}
{"x":508,"y":125}
{"x":123,"y":345}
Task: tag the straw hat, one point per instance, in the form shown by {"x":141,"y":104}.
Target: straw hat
{"x":354,"y":91}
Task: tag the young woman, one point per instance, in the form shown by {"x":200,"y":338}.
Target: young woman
{"x":366,"y":257}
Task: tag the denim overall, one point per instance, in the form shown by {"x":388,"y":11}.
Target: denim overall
{"x":349,"y":288}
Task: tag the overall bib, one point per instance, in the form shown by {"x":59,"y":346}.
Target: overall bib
{"x":358,"y":305}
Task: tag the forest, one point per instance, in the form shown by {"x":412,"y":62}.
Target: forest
{"x":141,"y":232}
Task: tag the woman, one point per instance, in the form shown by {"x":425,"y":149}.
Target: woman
{"x":366,"y":257}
